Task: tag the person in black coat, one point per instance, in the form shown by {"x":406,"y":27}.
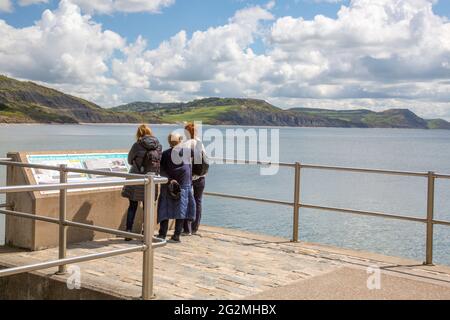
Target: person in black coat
{"x":144,"y":157}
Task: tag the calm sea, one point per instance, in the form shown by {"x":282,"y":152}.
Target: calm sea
{"x":415,"y":150}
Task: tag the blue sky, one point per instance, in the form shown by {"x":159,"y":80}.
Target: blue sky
{"x":374,"y":54}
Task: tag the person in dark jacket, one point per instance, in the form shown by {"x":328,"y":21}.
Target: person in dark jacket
{"x":144,"y":157}
{"x":176,"y":200}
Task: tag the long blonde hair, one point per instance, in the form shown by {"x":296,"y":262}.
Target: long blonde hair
{"x":142,"y":131}
{"x":191,"y":129}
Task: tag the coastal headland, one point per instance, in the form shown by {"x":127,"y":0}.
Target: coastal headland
{"x":27,"y":102}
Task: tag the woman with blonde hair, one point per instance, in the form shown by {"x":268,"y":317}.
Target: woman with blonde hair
{"x":144,"y":157}
{"x":199,"y":170}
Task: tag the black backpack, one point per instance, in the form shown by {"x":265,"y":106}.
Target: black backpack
{"x":151,"y":161}
{"x":200,"y":169}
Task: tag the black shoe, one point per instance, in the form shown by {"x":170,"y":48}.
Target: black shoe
{"x":128,"y":239}
{"x":175,"y":239}
{"x":186,"y":234}
{"x":160,"y":236}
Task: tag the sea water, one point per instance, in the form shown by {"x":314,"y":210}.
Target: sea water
{"x":396,"y":149}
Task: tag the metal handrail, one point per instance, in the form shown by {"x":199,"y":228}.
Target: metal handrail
{"x":65,"y":261}
{"x":72,"y":185}
{"x":363,"y":213}
{"x":150,"y":181}
{"x":73,"y":224}
{"x":364,"y":170}
{"x":443,"y":176}
{"x":223,"y":195}
{"x":442,"y":222}
{"x":297,"y":204}
{"x":69,"y":169}
{"x":150,"y":242}
{"x":256,"y":162}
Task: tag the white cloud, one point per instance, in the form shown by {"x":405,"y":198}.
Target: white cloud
{"x":24,"y":3}
{"x":376,"y":54}
{"x":62,"y":47}
{"x":325,"y":1}
{"x":270,"y":5}
{"x":382,"y":50}
{"x":193,"y":65}
{"x":6,"y":6}
{"x":110,"y":6}
{"x":377,"y":49}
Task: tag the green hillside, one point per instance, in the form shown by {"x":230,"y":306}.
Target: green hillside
{"x":27,"y":102}
{"x":260,"y":113}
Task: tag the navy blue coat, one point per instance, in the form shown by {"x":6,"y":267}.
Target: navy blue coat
{"x":184,"y":208}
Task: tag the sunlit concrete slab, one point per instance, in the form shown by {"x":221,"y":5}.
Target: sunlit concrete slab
{"x":231,"y":264}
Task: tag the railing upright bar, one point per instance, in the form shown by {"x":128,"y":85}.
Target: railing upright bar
{"x":62,"y":251}
{"x":430,"y":218}
{"x":296,"y":204}
{"x":149,"y":221}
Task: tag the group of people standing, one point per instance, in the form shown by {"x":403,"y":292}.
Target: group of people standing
{"x":185,"y":165}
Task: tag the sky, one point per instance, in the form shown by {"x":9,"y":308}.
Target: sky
{"x":335,"y":54}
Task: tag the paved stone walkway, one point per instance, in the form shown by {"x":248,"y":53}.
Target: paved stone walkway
{"x":231,"y":264}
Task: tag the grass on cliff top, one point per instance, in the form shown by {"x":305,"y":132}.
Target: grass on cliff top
{"x":354,"y":116}
{"x":204,"y":114}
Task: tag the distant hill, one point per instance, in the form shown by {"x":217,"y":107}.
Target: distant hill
{"x":392,"y":118}
{"x":27,"y":102}
{"x":260,"y":113}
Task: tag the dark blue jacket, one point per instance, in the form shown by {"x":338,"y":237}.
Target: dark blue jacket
{"x":176,"y":167}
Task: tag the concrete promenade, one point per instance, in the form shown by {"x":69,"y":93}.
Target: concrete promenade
{"x":231,"y":264}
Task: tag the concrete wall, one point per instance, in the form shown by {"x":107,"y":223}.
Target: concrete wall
{"x":105,"y":208}
{"x":30,"y":286}
{"x":23,"y":202}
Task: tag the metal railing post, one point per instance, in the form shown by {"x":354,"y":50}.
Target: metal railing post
{"x":62,"y":219}
{"x":296,"y":205}
{"x":149,"y":222}
{"x":430,"y":218}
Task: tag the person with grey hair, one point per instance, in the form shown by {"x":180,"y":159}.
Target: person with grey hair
{"x":176,"y":200}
